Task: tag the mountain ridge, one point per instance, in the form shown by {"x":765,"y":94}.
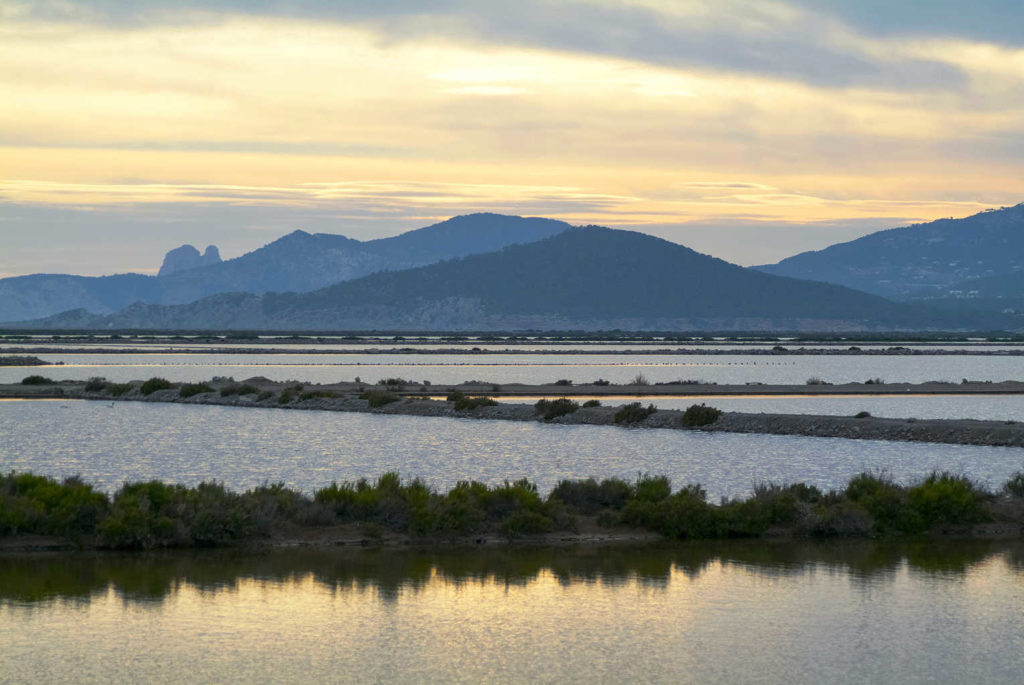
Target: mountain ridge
{"x":585,"y":278}
{"x":298,"y":261}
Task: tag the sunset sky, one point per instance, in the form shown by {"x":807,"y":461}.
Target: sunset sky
{"x":750,"y":130}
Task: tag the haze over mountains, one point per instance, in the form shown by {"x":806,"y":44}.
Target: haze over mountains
{"x":297,"y":262}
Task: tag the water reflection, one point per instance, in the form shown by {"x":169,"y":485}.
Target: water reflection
{"x":390,"y":574}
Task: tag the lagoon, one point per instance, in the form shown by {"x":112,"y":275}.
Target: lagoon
{"x":109,"y":443}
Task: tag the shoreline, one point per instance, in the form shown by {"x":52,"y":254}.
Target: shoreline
{"x":412,"y":399}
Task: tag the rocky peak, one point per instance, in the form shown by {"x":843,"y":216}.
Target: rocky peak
{"x":188,"y":257}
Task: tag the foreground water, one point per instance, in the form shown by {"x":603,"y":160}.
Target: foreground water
{"x":109,"y":443}
{"x":730,"y":613}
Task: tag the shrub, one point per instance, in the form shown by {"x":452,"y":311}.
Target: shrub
{"x":117,"y":389}
{"x":95,"y":384}
{"x":239,"y":389}
{"x":639,"y":379}
{"x":563,"y":381}
{"x":36,"y":380}
{"x":265,"y":395}
{"x":589,"y":496}
{"x":699,"y":415}
{"x":591,"y":403}
{"x":601,"y":381}
{"x":316,"y":394}
{"x":193,"y":389}
{"x":465,"y":403}
{"x":1015,"y":486}
{"x":552,"y":409}
{"x":946,"y":498}
{"x":154,"y":384}
{"x":526,"y":523}
{"x":814,"y":380}
{"x":378,"y":398}
{"x":862,"y":415}
{"x":633,"y":413}
{"x":883,"y":499}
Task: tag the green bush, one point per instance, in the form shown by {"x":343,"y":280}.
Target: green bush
{"x":154,"y":384}
{"x":193,"y":389}
{"x":683,"y":515}
{"x":591,"y":403}
{"x":44,"y":506}
{"x":265,"y":395}
{"x":700,"y":415}
{"x":862,"y":415}
{"x":945,"y":498}
{"x":883,"y":499}
{"x":634,"y":413}
{"x":36,"y":380}
{"x":378,"y":398}
{"x":552,"y":409}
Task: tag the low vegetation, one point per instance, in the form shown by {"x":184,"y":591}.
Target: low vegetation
{"x":463,"y":402}
{"x":378,"y":398}
{"x":697,"y":415}
{"x":154,"y":384}
{"x":239,"y":389}
{"x":193,"y":389}
{"x":552,"y":409}
{"x":148,"y":515}
{"x":633,"y":413}
{"x":37,"y":380}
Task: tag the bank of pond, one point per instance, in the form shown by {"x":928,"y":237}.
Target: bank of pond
{"x":42,"y":512}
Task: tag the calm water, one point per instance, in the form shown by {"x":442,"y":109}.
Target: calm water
{"x":523,"y":368}
{"x":308,"y":449}
{"x":764,"y":613}
{"x":990,"y":407}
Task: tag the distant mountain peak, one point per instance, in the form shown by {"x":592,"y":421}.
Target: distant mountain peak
{"x":188,"y":257}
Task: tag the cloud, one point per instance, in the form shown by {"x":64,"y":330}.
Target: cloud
{"x":810,"y":45}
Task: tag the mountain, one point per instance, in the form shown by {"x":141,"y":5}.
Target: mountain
{"x":924,"y":260}
{"x":187,"y":257}
{"x":298,"y":262}
{"x":582,"y":278}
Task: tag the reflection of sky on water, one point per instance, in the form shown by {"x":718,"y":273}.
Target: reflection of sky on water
{"x":736,"y":614}
{"x":513,"y":368}
{"x":308,"y":449}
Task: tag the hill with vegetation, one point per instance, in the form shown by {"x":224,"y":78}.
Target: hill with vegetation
{"x":588,"y":278}
{"x":924,"y":260}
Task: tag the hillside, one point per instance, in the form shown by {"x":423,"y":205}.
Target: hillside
{"x":298,"y":262}
{"x":925,"y":260}
{"x":583,"y":278}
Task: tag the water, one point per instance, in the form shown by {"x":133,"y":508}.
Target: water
{"x":764,"y":613}
{"x":527,"y":368}
{"x":243,"y":447}
{"x":988,"y":407}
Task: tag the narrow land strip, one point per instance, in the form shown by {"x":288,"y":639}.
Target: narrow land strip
{"x":422,"y":400}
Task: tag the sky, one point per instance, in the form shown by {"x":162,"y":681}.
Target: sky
{"x":749,"y":130}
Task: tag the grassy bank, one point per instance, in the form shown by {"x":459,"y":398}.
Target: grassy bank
{"x":152,"y":514}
